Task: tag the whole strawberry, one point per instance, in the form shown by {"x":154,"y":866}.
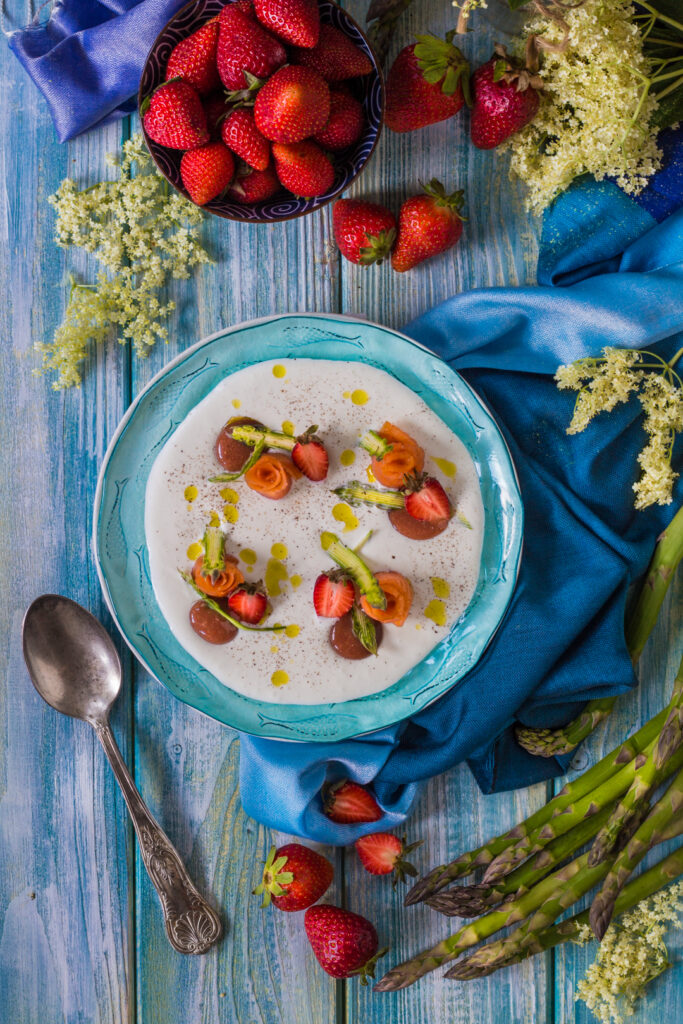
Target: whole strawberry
{"x":194,"y":59}
{"x":297,"y":21}
{"x":428,"y":82}
{"x":294,"y":877}
{"x":293,"y":105}
{"x":504,"y":99}
{"x":252,"y":186}
{"x":207,"y":171}
{"x":334,"y":56}
{"x":303,"y":168}
{"x":427,"y":225}
{"x":382,"y":853}
{"x":240,"y":134}
{"x":244,"y":45}
{"x":345,"y":123}
{"x":364,"y":232}
{"x":173,"y":116}
{"x":345,"y":944}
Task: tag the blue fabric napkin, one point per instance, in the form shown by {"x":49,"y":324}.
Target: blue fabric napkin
{"x":88,"y":57}
{"x":562,"y":640}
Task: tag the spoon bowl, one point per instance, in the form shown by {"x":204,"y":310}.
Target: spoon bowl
{"x":75,"y":668}
{"x":71,"y":658}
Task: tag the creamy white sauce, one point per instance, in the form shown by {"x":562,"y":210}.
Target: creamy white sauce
{"x":311,"y":392}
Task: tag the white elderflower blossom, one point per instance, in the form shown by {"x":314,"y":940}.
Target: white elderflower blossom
{"x":632,"y":953}
{"x":595,"y":115}
{"x":604,"y":382}
{"x":142,"y":237}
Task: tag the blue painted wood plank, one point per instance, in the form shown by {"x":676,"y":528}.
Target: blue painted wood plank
{"x":65,"y":846}
{"x":658,"y":666}
{"x":262,"y":972}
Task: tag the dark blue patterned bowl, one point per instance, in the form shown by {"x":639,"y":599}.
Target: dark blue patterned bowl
{"x":283,"y":206}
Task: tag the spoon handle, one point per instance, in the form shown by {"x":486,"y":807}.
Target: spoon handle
{"x":192,"y":925}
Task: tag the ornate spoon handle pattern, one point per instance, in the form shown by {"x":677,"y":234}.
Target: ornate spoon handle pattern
{"x":192,"y":925}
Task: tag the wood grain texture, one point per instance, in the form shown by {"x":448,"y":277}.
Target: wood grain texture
{"x":65,"y":845}
{"x":81,"y":933}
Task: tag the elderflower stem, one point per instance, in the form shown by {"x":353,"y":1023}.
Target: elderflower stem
{"x":658,"y":16}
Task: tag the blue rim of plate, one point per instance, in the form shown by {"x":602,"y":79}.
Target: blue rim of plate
{"x":119,"y":538}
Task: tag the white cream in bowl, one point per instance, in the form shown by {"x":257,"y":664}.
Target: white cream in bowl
{"x":280,"y":540}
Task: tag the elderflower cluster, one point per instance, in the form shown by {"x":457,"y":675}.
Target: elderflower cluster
{"x":596,"y":112}
{"x":603,"y":383}
{"x":631,"y":954}
{"x":142,"y":237}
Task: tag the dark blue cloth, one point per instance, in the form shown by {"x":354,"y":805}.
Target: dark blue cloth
{"x":562,"y":641}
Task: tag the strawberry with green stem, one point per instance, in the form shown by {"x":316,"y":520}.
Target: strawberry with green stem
{"x":303,"y":168}
{"x":349,"y":803}
{"x":334,"y":56}
{"x":294,"y":877}
{"x":245,"y":46}
{"x":345,"y":944}
{"x":292,"y":105}
{"x":505,"y":99}
{"x":296,"y":21}
{"x":365,"y":232}
{"x":382,"y":853}
{"x":194,"y":59}
{"x":428,"y":82}
{"x":249,"y":602}
{"x":207,"y":172}
{"x":333,"y":594}
{"x":173,"y":116}
{"x":428,"y":224}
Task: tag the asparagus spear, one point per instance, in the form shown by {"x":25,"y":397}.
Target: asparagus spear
{"x":572,"y":791}
{"x":551,"y":742}
{"x":647,"y":778}
{"x":472,"y":900}
{"x":561,"y":888}
{"x":587,"y":806}
{"x":639,"y":625}
{"x":672,"y":730}
{"x":521,"y":943}
{"x":665,"y":821}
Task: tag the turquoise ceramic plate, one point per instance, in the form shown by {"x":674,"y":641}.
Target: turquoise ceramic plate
{"x":119,"y":534}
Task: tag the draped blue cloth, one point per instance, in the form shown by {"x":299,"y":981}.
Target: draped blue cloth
{"x":562,"y":640}
{"x":610,"y":273}
{"x":88,"y":57}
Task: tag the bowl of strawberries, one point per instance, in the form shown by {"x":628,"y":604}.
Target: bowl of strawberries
{"x":261,"y":111}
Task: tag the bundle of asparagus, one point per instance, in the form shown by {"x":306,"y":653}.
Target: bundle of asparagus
{"x":536,"y":871}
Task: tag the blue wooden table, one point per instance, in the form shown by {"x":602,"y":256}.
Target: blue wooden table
{"x":81,"y":934}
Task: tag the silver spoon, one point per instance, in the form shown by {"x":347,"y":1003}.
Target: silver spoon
{"x":75,"y":668}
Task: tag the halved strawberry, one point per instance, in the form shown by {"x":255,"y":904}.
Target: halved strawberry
{"x":426,"y":498}
{"x":333,"y":594}
{"x":349,"y":803}
{"x":310,"y":455}
{"x":381,"y":853}
{"x":249,"y":602}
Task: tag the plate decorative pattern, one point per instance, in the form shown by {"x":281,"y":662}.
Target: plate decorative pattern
{"x":119,"y":530}
{"x":348,"y":165}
